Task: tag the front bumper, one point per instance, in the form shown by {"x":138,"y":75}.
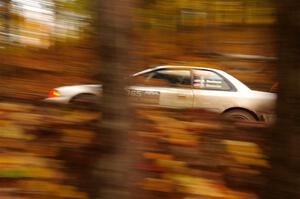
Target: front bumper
{"x":58,"y":100}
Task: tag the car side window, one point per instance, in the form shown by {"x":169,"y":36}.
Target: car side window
{"x":167,"y":78}
{"x":209,"y":80}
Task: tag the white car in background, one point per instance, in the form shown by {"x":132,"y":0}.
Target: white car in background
{"x":183,"y":87}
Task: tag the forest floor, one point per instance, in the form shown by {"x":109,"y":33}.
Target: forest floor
{"x":45,"y":152}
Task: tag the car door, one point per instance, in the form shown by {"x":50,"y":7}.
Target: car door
{"x":212,"y":91}
{"x":164,"y":87}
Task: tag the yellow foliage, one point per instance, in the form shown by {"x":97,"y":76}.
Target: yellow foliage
{"x":158,"y":156}
{"x":157,"y":185}
{"x":196,"y":185}
{"x":246,"y":153}
{"x":171,"y":163}
{"x":11,"y":130}
{"x":52,"y":188}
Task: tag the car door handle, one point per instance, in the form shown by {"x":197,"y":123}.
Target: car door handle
{"x":181,"y":96}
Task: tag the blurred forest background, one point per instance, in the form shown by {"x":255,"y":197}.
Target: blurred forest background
{"x":62,"y":152}
{"x":50,"y":43}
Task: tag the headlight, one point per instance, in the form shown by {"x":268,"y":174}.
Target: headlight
{"x":54,"y":93}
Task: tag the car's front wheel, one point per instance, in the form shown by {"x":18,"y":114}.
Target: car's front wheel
{"x":86,"y":100}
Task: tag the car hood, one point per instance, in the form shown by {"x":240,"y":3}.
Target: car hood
{"x":81,"y":86}
{"x":79,"y":89}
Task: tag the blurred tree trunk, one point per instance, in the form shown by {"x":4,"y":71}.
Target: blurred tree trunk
{"x":6,"y":39}
{"x":56,"y":8}
{"x":7,"y":16}
{"x":284,"y":180}
{"x":114,"y":29}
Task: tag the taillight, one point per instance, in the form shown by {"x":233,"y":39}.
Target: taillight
{"x":53,"y":93}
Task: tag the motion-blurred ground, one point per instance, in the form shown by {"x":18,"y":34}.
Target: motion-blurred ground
{"x":47,"y":152}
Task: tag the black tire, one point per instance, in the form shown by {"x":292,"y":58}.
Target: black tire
{"x":239,"y":115}
{"x":86,"y":101}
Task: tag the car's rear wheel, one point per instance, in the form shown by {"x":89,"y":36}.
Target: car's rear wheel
{"x":239,"y":115}
{"x":86,"y":101}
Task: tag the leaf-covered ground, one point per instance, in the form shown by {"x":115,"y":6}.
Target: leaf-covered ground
{"x":47,"y":152}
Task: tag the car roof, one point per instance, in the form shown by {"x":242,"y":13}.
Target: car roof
{"x":175,"y":67}
{"x":238,"y":84}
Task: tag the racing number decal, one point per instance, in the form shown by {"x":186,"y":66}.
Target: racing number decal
{"x":148,"y":97}
{"x":134,"y":93}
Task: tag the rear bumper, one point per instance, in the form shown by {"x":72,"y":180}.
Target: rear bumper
{"x":268,"y":118}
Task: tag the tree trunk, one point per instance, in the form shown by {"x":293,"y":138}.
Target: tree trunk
{"x":7,"y":16}
{"x":114,"y":49}
{"x":284,"y":181}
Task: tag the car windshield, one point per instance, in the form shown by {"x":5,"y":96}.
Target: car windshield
{"x":165,"y":78}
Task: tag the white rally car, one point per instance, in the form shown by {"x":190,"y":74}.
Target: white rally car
{"x":183,"y":87}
